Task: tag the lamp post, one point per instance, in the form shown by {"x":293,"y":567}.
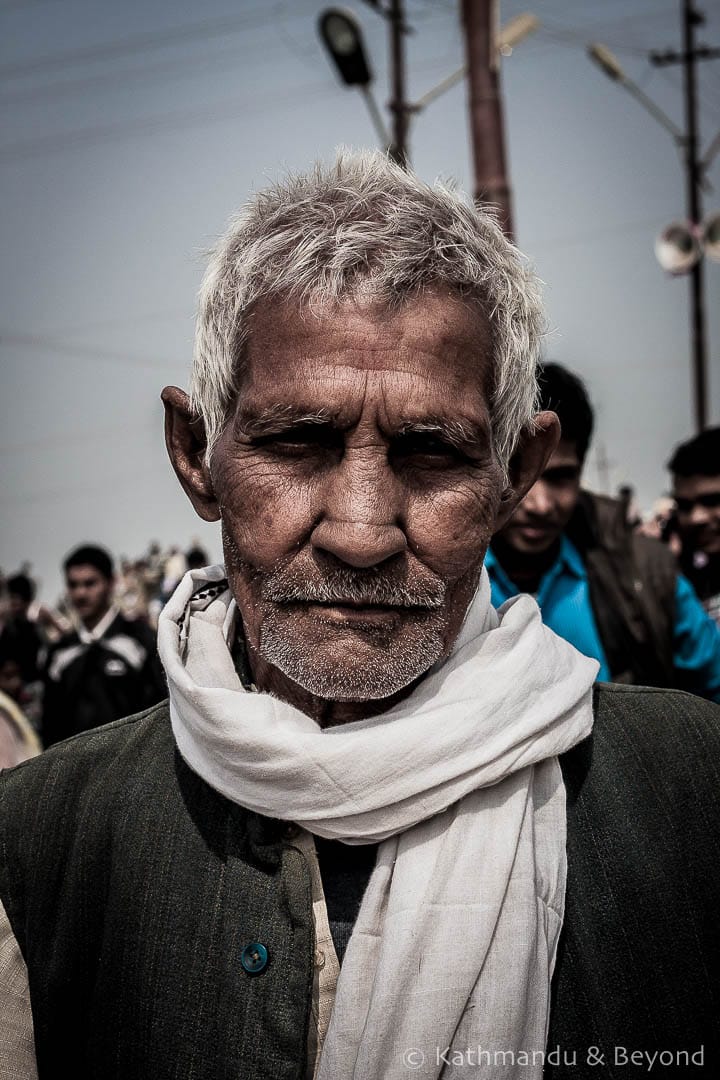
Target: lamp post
{"x":486,"y":115}
{"x":680,"y":247}
{"x":398,"y":104}
{"x":693,"y":173}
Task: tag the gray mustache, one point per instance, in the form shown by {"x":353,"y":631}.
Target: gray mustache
{"x":342,"y":587}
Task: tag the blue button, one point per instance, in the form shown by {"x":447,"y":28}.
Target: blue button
{"x":254,"y":958}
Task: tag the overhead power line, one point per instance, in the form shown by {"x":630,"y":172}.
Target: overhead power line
{"x":83,"y":352}
{"x":177,"y":120}
{"x":76,"y":438}
{"x":128,"y":78}
{"x":136,"y":43}
{"x":166,"y":122}
{"x":108,"y":487}
{"x":557,"y":241}
{"x":174,"y":315}
{"x":13,"y":5}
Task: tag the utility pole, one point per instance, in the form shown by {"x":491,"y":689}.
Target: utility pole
{"x":342,"y":36}
{"x":697,"y":274}
{"x":602,"y":464}
{"x":486,"y":115}
{"x":398,"y":104}
{"x":694,"y":169}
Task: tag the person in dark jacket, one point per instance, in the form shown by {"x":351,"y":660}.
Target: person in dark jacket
{"x":695,"y":469}
{"x":104,"y":669}
{"x":615,"y":594}
{"x":20,"y":631}
{"x":526,"y":886}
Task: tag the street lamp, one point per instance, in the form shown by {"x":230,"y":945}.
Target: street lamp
{"x":342,"y":36}
{"x":343,"y":39}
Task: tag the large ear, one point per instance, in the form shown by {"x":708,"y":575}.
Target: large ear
{"x":186,"y":443}
{"x":535,"y":448}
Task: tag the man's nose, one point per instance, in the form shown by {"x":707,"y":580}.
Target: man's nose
{"x":359,"y":523}
{"x":538,"y":501}
{"x":699,"y":514}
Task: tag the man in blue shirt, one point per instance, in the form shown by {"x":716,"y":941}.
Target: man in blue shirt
{"x":695,"y":468}
{"x":615,"y":595}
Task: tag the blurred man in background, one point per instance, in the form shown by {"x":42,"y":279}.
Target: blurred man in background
{"x":107,"y":666}
{"x":18,"y":739}
{"x":23,"y":645}
{"x":612,"y":593}
{"x":20,"y":631}
{"x":695,"y":468}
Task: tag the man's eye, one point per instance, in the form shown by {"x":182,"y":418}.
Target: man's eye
{"x":560,"y":477}
{"x":710,"y":501}
{"x":301,"y":439}
{"x":429,"y":447}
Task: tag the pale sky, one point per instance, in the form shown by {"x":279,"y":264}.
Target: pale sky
{"x":132,"y":131}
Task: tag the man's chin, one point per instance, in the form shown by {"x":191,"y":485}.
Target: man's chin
{"x":710,"y":547}
{"x":351,"y":684}
{"x":353,"y":663}
{"x":529,"y":541}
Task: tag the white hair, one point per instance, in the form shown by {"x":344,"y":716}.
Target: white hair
{"x":363,"y":225}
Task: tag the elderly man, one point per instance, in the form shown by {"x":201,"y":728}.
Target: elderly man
{"x":342,"y":849}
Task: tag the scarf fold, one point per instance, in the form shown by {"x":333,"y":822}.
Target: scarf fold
{"x":448,"y":969}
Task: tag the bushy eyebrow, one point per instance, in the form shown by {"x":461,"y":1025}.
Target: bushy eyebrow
{"x":456,"y":432}
{"x":277,"y":418}
{"x":281,"y":417}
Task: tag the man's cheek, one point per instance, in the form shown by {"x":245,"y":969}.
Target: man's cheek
{"x":263,"y":530}
{"x":451,"y":534}
{"x":249,"y":478}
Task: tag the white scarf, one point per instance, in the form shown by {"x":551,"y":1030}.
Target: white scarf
{"x":448,"y":969}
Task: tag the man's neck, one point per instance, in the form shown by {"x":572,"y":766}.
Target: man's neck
{"x":526,"y":570}
{"x":93,"y":621}
{"x":702,"y":570}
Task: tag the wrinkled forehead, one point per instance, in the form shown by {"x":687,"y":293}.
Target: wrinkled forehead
{"x":438,"y":335}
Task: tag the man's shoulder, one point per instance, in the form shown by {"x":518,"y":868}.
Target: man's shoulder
{"x":65,"y":641}
{"x":643,"y":836}
{"x":102,"y":759}
{"x":61,"y":655}
{"x":647,"y":737}
{"x":655,"y":709}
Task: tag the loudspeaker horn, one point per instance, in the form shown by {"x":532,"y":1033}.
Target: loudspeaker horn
{"x":711,"y":237}
{"x":677,"y":248}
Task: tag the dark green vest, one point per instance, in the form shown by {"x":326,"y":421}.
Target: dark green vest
{"x":133,"y":889}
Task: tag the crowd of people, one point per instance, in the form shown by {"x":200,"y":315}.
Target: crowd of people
{"x":390,"y":804}
{"x":600,"y":581}
{"x":90,"y":659}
